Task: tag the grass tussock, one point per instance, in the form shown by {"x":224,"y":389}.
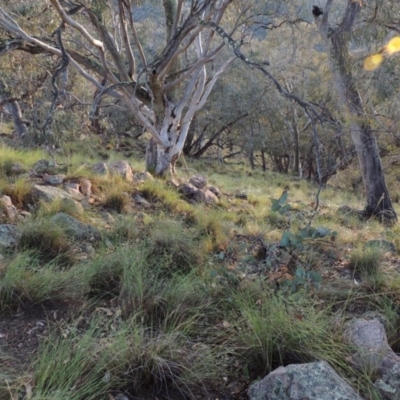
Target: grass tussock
{"x":145,"y":362}
{"x":48,"y":241}
{"x":275,"y":332}
{"x":365,"y":261}
{"x":25,"y":280}
{"x":176,"y":246}
{"x":19,"y":191}
{"x":66,"y":206}
{"x":10,"y":156}
{"x":116,"y":201}
{"x":159,"y":191}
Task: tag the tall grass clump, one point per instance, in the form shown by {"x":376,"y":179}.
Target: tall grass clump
{"x":25,"y":280}
{"x":10,"y":156}
{"x":159,"y":192}
{"x":47,"y":240}
{"x":365,"y":261}
{"x":275,"y":333}
{"x":135,"y":360}
{"x":19,"y":191}
{"x":175,"y":246}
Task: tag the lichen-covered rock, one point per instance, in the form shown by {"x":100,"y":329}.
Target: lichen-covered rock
{"x":76,"y":229}
{"x":140,"y":177}
{"x":86,"y":188}
{"x":49,"y":193}
{"x":10,"y":212}
{"x":214,"y":190}
{"x":54,"y":179}
{"x":374,"y":354}
{"x":188,"y":190}
{"x":74,"y":193}
{"x":46,"y":166}
{"x":369,"y":337}
{"x":199,"y":181}
{"x":100,"y":168}
{"x":205,"y":196}
{"x":123,"y":169}
{"x":9,"y":236}
{"x":313,"y":381}
{"x":17,"y":169}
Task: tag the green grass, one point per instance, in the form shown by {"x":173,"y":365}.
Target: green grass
{"x":47,"y":240}
{"x":175,"y":299}
{"x":26,"y":281}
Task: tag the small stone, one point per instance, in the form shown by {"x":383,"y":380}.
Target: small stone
{"x":205,"y":196}
{"x":75,"y":194}
{"x":86,"y":188}
{"x":214,"y":190}
{"x":100,"y":168}
{"x":140,"y":177}
{"x":54,"y":179}
{"x":121,"y":168}
{"x":142,"y":201}
{"x":188,"y":190}
{"x":198,"y":181}
{"x":17,"y":169}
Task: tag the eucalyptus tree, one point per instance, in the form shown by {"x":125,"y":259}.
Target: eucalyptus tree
{"x":163,"y":88}
{"x":337,"y":27}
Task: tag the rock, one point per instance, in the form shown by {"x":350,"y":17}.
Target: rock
{"x":375,"y":355}
{"x":45,"y":166}
{"x":73,"y":206}
{"x":241,"y":195}
{"x":11,"y":213}
{"x":72,"y":185}
{"x":86,"y":188}
{"x":188,"y":190}
{"x":108,"y":217}
{"x":312,"y":381}
{"x":73,"y":190}
{"x":205,"y":196}
{"x":76,"y":229}
{"x":49,"y":193}
{"x":142,"y":201}
{"x":17,"y":169}
{"x":88,"y":249}
{"x":25,"y":214}
{"x":9,"y":236}
{"x":100,"y":168}
{"x":198,"y":181}
{"x":54,"y":179}
{"x":214,"y":190}
{"x":121,"y":168}
{"x":140,"y":177}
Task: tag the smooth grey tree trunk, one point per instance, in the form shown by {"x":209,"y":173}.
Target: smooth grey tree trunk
{"x":337,"y":40}
{"x":13,"y":109}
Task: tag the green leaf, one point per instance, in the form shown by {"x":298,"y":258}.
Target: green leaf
{"x":275,"y":205}
{"x":221,"y":255}
{"x":314,"y":276}
{"x":300,"y":273}
{"x":283,"y":198}
{"x":285,"y":240}
{"x":214,"y":273}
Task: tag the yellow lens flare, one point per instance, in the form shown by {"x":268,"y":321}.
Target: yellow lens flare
{"x":373,"y":62}
{"x":393,"y":46}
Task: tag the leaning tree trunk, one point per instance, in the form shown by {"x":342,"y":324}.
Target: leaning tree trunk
{"x":378,"y":199}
